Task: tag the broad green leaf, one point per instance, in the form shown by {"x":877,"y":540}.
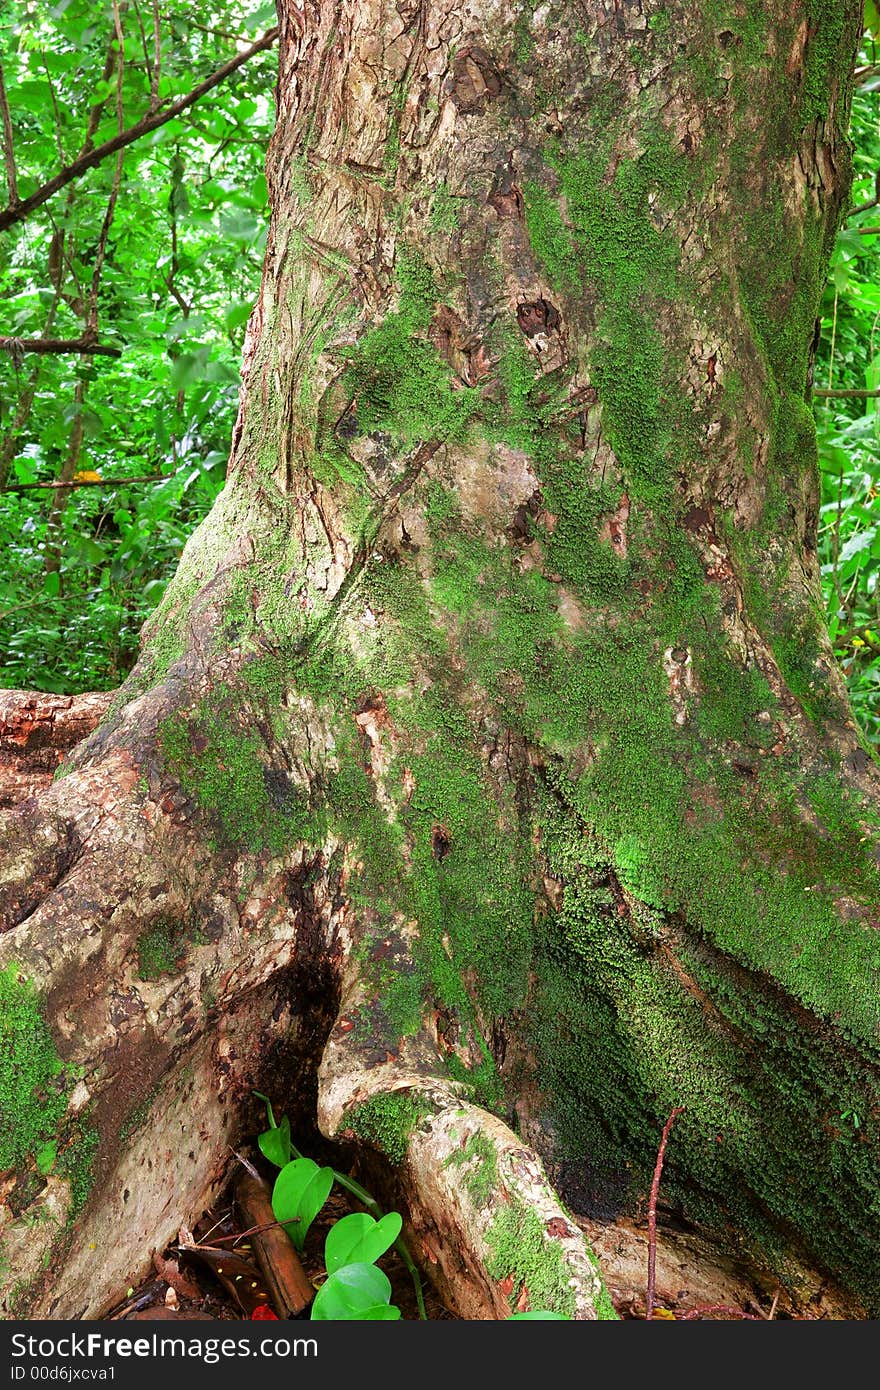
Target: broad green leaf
{"x":86,"y":552}
{"x":237,"y":314}
{"x":300,"y":1191}
{"x":861,"y":541}
{"x":275,"y":1143}
{"x":353,"y":1292}
{"x":359,"y":1239}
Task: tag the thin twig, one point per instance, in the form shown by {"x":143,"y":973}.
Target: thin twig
{"x":57,"y":113}
{"x":251,"y":1231}
{"x":26,"y":399}
{"x":8,"y":148}
{"x":23,"y":209}
{"x":60,"y":499}
{"x":652,"y":1211}
{"x":157,"y":59}
{"x":100,"y":254}
{"x":872,"y":203}
{"x":246,"y":1163}
{"x":143,"y":33}
{"x":205,"y":29}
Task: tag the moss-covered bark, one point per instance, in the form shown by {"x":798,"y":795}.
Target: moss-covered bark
{"x":505,"y":637}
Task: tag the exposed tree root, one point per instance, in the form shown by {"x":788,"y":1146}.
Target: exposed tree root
{"x":168,"y":1058}
{"x":490,"y":1228}
{"x":36,"y":730}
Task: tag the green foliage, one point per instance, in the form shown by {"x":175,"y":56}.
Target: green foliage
{"x":180,"y":273}
{"x":357,"y":1292}
{"x":848,"y":358}
{"x":300,"y":1191}
{"x":360,"y":1239}
{"x":274,"y":1143}
{"x":33,"y":1097}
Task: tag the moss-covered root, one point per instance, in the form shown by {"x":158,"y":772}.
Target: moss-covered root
{"x":489,"y":1229}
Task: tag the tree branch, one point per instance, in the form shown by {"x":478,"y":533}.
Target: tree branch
{"x":92,"y":324}
{"x":8,"y":149}
{"x":19,"y":212}
{"x":92,"y":482}
{"x":58,"y":345}
{"x":156,"y":69}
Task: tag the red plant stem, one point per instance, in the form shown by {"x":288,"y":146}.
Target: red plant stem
{"x":652,"y":1211}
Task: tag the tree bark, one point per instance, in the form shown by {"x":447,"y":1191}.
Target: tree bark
{"x":36,"y":730}
{"x":486,"y":786}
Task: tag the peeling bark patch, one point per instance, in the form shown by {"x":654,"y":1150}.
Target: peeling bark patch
{"x":521,"y":529}
{"x":507,"y":199}
{"x":475,"y":80}
{"x":50,"y":850}
{"x":678,"y":666}
{"x":440,"y":843}
{"x":537,"y":318}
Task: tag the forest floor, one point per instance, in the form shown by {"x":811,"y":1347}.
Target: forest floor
{"x":213,"y":1273}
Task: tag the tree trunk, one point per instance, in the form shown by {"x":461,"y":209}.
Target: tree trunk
{"x":487,"y":753}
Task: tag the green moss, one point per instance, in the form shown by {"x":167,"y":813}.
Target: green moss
{"x":32,"y":1094}
{"x":521,"y":1250}
{"x":632,"y":1034}
{"x":445,"y":215}
{"x":396,"y":378}
{"x":139,"y":1115}
{"x":479,"y":1162}
{"x":158,"y":949}
{"x":830,"y":47}
{"x":76,"y":1163}
{"x":222,"y":763}
{"x":388,"y":1120}
{"x":606,"y":239}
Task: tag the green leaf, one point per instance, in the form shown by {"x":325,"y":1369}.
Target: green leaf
{"x":357,"y":1292}
{"x":359,"y":1239}
{"x":52,"y":583}
{"x":300,"y":1191}
{"x":237,"y":314}
{"x":275,"y":1143}
{"x":85,"y":553}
